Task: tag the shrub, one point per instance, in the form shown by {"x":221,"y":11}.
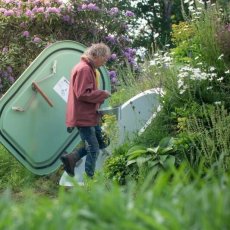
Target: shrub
{"x":210,"y":137}
{"x":27,"y":27}
{"x":182,"y":38}
{"x":173,"y":201}
{"x":115,"y":169}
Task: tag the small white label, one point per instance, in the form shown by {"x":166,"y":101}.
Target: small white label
{"x":62,"y":88}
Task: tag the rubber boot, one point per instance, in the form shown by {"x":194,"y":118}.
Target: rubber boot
{"x":69,"y":161}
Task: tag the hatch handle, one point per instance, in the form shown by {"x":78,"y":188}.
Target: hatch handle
{"x":39,"y":90}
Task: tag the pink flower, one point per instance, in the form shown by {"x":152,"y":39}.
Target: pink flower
{"x":37,"y":40}
{"x":92,"y":6}
{"x":228,"y":27}
{"x":9,"y":69}
{"x":66,"y":18}
{"x":84,"y":7}
{"x":8,"y":1}
{"x":34,"y":10}
{"x":29,"y":13}
{"x":5,"y":50}
{"x":8,"y":13}
{"x":18,"y":12}
{"x":40,"y":10}
{"x":113,"y":57}
{"x":2,"y":10}
{"x":58,"y":1}
{"x":23,"y":25}
{"x":111,"y":38}
{"x":114,"y":11}
{"x":113,"y":79}
{"x":25,"y":34}
{"x":112,"y":75}
{"x":11,"y":79}
{"x":54,"y":10}
{"x":37,"y":2}
{"x":129,"y":13}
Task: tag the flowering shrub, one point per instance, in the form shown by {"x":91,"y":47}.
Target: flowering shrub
{"x":187,"y":75}
{"x":27,"y":27}
{"x":182,"y":37}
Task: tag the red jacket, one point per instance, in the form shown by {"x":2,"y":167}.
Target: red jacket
{"x":84,"y":97}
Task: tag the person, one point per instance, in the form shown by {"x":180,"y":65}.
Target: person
{"x":84,"y":99}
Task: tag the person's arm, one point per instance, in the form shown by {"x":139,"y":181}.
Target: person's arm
{"x":83,"y":88}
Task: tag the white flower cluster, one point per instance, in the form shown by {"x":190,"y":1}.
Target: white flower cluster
{"x":196,"y":74}
{"x":196,"y":7}
{"x":161,"y":59}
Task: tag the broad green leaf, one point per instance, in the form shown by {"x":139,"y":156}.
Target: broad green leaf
{"x":170,"y":161}
{"x":136,"y":154}
{"x":167,"y":141}
{"x":131,"y":162}
{"x":153,"y":150}
{"x":163,"y":157}
{"x":165,"y":150}
{"x":141,"y":160}
{"x":134,"y":148}
{"x":153,"y":163}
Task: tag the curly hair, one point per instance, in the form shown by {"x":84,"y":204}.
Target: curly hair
{"x":98,"y":50}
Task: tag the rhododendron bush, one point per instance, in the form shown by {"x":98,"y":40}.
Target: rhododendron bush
{"x":27,"y":27}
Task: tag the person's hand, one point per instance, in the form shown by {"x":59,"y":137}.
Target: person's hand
{"x":108,"y":93}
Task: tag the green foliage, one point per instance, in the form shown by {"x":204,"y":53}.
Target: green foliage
{"x":173,"y":201}
{"x":208,"y":48}
{"x":131,"y":86}
{"x":19,"y":179}
{"x":157,"y":130}
{"x":138,"y":161}
{"x":121,"y":96}
{"x":135,"y":152}
{"x":12,"y":173}
{"x":122,"y":149}
{"x":195,"y":47}
{"x":158,"y":157}
{"x":193,"y":91}
{"x":210,"y":137}
{"x":158,"y":16}
{"x":166,"y":146}
{"x":182,"y":38}
{"x":222,"y":38}
{"x":115,"y":169}
{"x":157,"y":70}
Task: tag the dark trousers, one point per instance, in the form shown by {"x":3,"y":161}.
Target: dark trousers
{"x":93,"y":141}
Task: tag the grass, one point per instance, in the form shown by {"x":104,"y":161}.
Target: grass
{"x":173,"y":201}
{"x":18,"y":179}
